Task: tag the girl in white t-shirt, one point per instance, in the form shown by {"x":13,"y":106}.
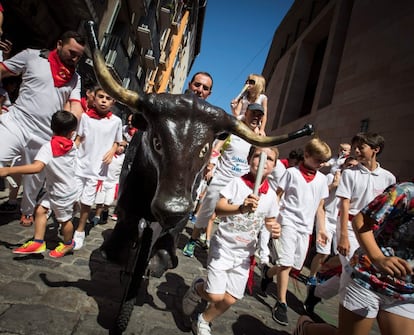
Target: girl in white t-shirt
{"x":253,"y":92}
{"x":244,"y":215}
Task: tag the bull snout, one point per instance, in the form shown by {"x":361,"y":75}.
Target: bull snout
{"x":171,"y":211}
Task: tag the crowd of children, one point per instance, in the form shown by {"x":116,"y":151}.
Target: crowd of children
{"x":310,"y":203}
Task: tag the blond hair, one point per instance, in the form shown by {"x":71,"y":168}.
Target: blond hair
{"x":318,"y":148}
{"x":258,"y":88}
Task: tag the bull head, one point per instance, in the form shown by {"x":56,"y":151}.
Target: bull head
{"x":180,"y":129}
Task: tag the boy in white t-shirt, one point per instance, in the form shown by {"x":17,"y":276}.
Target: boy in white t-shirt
{"x":57,"y":158}
{"x":244,"y":215}
{"x":99,"y":135}
{"x":108,"y":189}
{"x":304,"y":189}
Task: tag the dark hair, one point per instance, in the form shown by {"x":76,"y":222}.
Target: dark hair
{"x":66,"y":36}
{"x":372,"y":139}
{"x":205,"y":74}
{"x":296,"y":154}
{"x":63,"y":122}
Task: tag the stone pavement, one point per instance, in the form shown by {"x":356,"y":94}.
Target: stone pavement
{"x":80,"y":293}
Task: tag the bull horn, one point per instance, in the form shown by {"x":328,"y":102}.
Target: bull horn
{"x":104,"y":77}
{"x":242,"y":130}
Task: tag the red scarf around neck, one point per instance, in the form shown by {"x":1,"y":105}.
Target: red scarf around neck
{"x":308,"y":174}
{"x":249,"y":180}
{"x":60,"y":145}
{"x":132,"y":131}
{"x":60,"y":72}
{"x":92,"y":113}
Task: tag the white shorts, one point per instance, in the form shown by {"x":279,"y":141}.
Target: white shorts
{"x":106,"y":194}
{"x":366,"y":303}
{"x":332,"y":242}
{"x":62,"y":209}
{"x":292,"y":247}
{"x":86,"y":190}
{"x":226,"y":272}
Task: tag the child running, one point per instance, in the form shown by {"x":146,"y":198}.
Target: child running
{"x":98,"y":136}
{"x":304,"y":189}
{"x":244,"y":215}
{"x":57,"y":159}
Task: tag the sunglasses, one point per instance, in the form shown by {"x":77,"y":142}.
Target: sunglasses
{"x":205,"y":88}
{"x":250,"y":81}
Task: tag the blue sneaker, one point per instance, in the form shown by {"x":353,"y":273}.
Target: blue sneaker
{"x":312,"y":281}
{"x":189,"y":248}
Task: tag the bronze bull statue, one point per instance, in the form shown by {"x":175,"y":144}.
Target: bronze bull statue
{"x":168,"y":153}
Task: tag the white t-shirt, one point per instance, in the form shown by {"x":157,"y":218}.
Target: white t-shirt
{"x":301,"y":199}
{"x":360,"y":185}
{"x":233,"y":159}
{"x":246,"y":103}
{"x":38,"y":98}
{"x":331,"y":203}
{"x":98,"y":137}
{"x":60,"y":173}
{"x":276,"y":175}
{"x":239,"y":233}
{"x":114,"y":169}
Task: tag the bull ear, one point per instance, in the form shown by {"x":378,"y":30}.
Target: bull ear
{"x":242,"y":130}
{"x":104,"y":77}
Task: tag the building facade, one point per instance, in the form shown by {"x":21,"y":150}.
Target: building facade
{"x":345,"y":66}
{"x":150,"y":44}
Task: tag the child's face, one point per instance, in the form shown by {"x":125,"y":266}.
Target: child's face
{"x":344,"y":149}
{"x":363,"y":152}
{"x":103,"y":102}
{"x":313,"y":162}
{"x":121,"y":149}
{"x":269,"y":164}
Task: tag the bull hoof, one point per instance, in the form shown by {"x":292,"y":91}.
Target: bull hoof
{"x":161,"y":262}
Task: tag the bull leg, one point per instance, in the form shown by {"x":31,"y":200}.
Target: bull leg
{"x":164,"y":255}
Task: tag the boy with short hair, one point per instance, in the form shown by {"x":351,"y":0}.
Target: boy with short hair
{"x":244,"y":215}
{"x":98,"y":136}
{"x":57,"y":158}
{"x":304,"y":189}
{"x":358,"y":186}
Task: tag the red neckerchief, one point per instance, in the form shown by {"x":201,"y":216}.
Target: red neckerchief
{"x":308,"y":174}
{"x":285,"y":162}
{"x":60,"y":145}
{"x":84,"y":104}
{"x":249,"y":181}
{"x":60,"y":72}
{"x":92,"y":113}
{"x":132,"y":131}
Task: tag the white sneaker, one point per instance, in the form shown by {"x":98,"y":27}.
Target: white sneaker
{"x":200,"y":326}
{"x":78,"y":237}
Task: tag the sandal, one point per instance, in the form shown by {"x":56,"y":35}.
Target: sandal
{"x":26,"y":220}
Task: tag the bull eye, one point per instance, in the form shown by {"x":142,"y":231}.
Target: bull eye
{"x":204,"y":150}
{"x":157,"y":144}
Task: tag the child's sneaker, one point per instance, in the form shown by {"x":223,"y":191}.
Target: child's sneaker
{"x":114,"y":217}
{"x":201,"y":326}
{"x":279,"y":313}
{"x":191,"y":298}
{"x":62,"y":249}
{"x":312,"y":281}
{"x":30,"y":247}
{"x":78,"y":237}
{"x":189,"y":248}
